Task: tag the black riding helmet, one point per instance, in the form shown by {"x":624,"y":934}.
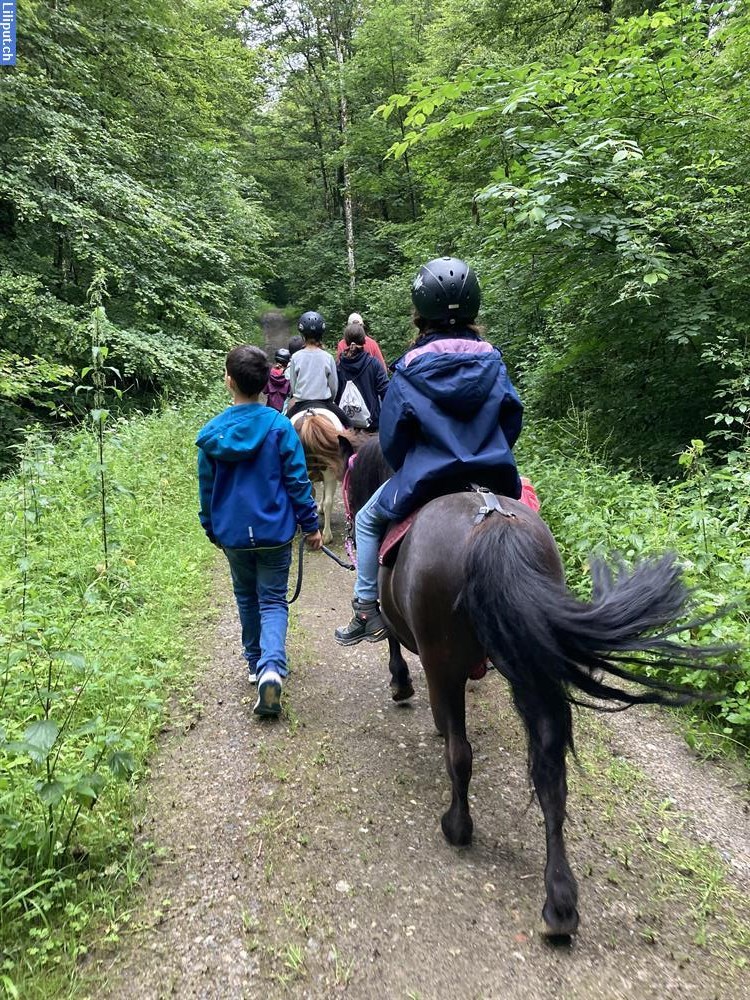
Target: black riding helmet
{"x":446,"y":289}
{"x":312,"y":324}
{"x":282,"y":356}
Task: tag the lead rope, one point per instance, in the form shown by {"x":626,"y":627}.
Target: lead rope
{"x":300,"y":565}
{"x":349,"y":545}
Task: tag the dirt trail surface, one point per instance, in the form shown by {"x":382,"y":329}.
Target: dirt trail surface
{"x":303,"y":858}
{"x":276,"y":329}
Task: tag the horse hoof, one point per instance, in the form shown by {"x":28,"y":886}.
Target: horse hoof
{"x":402,"y":692}
{"x":457,"y":832}
{"x":559,"y":925}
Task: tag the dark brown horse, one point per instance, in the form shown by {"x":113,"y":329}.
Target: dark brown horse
{"x":466,"y":587}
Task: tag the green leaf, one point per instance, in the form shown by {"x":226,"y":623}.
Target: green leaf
{"x":121,"y":764}
{"x":77,"y":660}
{"x":88,"y":788}
{"x":50,"y":792}
{"x":651,"y":278}
{"x":40,"y":738}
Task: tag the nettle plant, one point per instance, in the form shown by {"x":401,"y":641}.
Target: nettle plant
{"x":62,"y":738}
{"x":94,"y":382}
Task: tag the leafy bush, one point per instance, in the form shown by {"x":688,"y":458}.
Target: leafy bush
{"x":704,"y":518}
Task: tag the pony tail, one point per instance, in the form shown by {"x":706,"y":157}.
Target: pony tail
{"x":534,"y":630}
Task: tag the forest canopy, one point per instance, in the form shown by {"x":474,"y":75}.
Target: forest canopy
{"x":197,"y":160}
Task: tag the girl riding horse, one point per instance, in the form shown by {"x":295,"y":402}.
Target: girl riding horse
{"x":450,"y":418}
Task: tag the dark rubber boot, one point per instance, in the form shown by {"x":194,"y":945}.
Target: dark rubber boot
{"x":367,"y":623}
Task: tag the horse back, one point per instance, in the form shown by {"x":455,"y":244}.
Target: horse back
{"x":420,"y":592}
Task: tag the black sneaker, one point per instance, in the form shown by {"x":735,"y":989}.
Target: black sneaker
{"x":367,"y":623}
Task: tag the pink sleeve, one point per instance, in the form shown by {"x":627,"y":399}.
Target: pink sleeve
{"x":528,"y":494}
{"x":340,"y":348}
{"x":373,"y":347}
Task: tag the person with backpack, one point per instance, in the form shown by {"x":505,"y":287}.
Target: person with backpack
{"x":371,"y":345}
{"x":362,"y":381}
{"x":277,"y":388}
{"x":450,"y":418}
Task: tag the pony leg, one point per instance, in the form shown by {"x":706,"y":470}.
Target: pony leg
{"x":401,"y":686}
{"x":548,"y":724}
{"x":329,"y":492}
{"x":448,"y":701}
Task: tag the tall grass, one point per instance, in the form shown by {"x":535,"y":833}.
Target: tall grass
{"x":91,"y":644}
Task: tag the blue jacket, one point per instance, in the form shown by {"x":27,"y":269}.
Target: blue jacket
{"x":450,"y":418}
{"x":254,"y":487}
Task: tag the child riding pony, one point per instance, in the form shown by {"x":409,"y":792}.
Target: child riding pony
{"x":449,"y":419}
{"x":479,"y":578}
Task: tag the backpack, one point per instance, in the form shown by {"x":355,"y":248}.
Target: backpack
{"x":354,"y":406}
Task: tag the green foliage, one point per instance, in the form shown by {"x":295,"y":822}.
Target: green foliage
{"x":90,"y":647}
{"x":703,"y":517}
{"x":125,"y":152}
{"x":613,"y":215}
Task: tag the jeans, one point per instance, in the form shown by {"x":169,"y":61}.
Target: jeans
{"x":260,"y":578}
{"x":370,"y":529}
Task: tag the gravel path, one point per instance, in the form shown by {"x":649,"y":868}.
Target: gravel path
{"x":304,"y":858}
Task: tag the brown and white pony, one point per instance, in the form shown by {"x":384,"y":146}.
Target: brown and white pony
{"x":319,"y":431}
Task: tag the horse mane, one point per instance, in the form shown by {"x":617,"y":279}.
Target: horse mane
{"x":368,"y":473}
{"x":321,"y":443}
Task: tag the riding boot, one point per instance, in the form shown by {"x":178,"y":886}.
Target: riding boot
{"x":367,"y":623}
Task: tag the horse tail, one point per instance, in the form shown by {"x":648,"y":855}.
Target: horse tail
{"x":543,"y":638}
{"x":320,"y":441}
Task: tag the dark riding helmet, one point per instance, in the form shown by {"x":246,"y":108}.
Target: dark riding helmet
{"x":446,"y":289}
{"x":311,"y":324}
{"x":282,"y":356}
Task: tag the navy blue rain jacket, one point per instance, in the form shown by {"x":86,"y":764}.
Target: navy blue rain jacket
{"x":370,"y":378}
{"x":254,"y":487}
{"x":450,"y":418}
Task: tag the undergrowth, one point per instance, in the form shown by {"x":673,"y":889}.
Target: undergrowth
{"x":102,"y":563}
{"x":703,"y":517}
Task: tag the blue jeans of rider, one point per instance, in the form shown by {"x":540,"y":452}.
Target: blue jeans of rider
{"x":371,"y":526}
{"x":260,"y":578}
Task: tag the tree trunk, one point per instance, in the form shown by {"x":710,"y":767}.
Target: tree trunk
{"x":348,"y":208}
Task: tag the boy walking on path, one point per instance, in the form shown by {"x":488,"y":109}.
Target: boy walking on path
{"x":254,"y":491}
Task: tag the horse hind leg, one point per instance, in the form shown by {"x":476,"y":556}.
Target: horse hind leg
{"x":448,"y":702}
{"x":401,"y":686}
{"x":546,"y":714}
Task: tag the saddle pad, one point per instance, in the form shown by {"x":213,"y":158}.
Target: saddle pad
{"x":317,"y":411}
{"x":398,"y":530}
{"x":395,"y":534}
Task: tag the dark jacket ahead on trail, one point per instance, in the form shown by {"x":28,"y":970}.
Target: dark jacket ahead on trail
{"x":450,"y":418}
{"x":369,"y":377}
{"x":254,"y":487}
